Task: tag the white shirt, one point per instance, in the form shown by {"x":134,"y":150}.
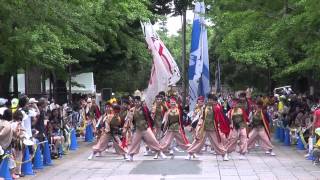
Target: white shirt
{"x":26,"y":121}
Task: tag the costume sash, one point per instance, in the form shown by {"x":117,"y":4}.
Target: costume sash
{"x":216,"y":122}
{"x":265,"y":124}
{"x":224,"y":124}
{"x":181,"y":128}
{"x":97,"y":112}
{"x":147,"y":116}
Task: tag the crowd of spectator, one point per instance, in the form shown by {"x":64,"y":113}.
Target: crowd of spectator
{"x":25,"y":120}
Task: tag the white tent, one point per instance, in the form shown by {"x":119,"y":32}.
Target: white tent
{"x":85,"y":80}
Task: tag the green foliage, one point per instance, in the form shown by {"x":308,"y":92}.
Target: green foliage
{"x":39,"y":32}
{"x":267,"y":35}
{"x":96,"y":35}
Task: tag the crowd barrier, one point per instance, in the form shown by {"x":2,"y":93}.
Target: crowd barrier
{"x":291,"y":136}
{"x":38,"y":160}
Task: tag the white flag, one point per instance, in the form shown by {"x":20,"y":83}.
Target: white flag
{"x":164,"y":70}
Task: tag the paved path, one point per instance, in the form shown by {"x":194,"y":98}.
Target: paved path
{"x":288,"y":164}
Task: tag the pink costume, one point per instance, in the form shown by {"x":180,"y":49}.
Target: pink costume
{"x":110,"y":132}
{"x":239,"y":120}
{"x":260,"y":131}
{"x":174,"y":130}
{"x":140,"y":120}
{"x":208,"y":126}
{"x":158,"y":111}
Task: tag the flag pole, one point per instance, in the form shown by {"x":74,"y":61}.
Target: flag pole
{"x":183,"y":60}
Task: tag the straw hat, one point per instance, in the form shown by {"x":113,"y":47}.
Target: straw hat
{"x":137,"y":93}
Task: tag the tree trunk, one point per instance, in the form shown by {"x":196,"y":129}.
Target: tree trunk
{"x":59,"y":90}
{"x":69,"y":90}
{"x":43,"y":83}
{"x":285,"y":7}
{"x":269,"y":81}
{"x":51,"y":86}
{"x":15,"y":84}
{"x":33,"y":82}
{"x":5,"y":83}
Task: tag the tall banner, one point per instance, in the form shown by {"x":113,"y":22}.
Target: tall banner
{"x":199,"y":75}
{"x":165,"y":71}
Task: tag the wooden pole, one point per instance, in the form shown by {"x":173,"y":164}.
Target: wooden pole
{"x":183,"y":60}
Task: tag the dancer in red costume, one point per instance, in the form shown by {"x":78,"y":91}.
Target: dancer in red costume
{"x":112,"y":125}
{"x":260,"y":130}
{"x":211,"y":123}
{"x":140,"y":120}
{"x":158,"y":110}
{"x":173,"y":127}
{"x":239,"y":124}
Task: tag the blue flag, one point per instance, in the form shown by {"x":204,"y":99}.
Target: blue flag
{"x":199,"y":75}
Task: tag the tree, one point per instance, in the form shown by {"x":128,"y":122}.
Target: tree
{"x":278,"y":38}
{"x":53,"y":34}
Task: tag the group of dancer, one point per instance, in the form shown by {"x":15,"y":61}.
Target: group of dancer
{"x":162,"y":128}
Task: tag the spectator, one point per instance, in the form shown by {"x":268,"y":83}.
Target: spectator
{"x":55,"y":128}
{"x":17,"y":142}
{"x":27,"y":115}
{"x":316,"y":117}
{"x":39,"y":123}
{"x":316,"y":150}
{"x":6,"y":135}
{"x":14,"y":104}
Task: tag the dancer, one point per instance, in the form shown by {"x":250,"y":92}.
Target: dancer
{"x":90,"y":111}
{"x":100,"y":127}
{"x":173,"y":127}
{"x":158,"y":110}
{"x":195,"y":116}
{"x":125,"y":107}
{"x":260,"y":130}
{"x":238,"y":124}
{"x":111,"y":131}
{"x":100,"y":124}
{"x":210,"y":124}
{"x":139,"y":119}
